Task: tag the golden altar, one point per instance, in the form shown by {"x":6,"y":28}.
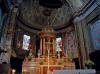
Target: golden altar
{"x":47,"y":60}
{"x":41,"y":66}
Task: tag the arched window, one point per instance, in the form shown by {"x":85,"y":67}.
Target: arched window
{"x":26,"y":42}
{"x":58,"y":44}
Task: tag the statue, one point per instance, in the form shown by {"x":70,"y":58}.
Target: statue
{"x":39,"y":53}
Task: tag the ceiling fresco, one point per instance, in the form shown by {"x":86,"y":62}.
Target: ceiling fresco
{"x":34,"y":14}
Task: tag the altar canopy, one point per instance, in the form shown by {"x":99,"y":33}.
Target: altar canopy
{"x":48,"y":37}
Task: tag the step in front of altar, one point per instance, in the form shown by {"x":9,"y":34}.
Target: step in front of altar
{"x":40,"y":65}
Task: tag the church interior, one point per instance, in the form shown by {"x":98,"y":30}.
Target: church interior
{"x":49,"y":36}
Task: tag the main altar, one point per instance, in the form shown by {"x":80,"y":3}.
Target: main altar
{"x":48,"y":58}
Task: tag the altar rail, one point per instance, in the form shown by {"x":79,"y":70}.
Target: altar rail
{"x":87,"y":71}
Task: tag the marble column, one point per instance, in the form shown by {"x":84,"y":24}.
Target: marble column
{"x":41,"y":46}
{"x":53,"y":42}
{"x":66,"y":44}
{"x":86,"y":38}
{"x":9,"y":34}
{"x":49,"y":43}
{"x":82,"y":47}
{"x":44,"y":46}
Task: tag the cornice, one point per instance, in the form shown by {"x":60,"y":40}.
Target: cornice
{"x":83,"y":8}
{"x":37,"y":29}
{"x":87,"y":12}
{"x":25,"y":23}
{"x":27,"y":28}
{"x":22,"y":22}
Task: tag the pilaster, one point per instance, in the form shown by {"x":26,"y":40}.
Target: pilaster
{"x":8,"y":37}
{"x":82,"y":48}
{"x":86,"y":38}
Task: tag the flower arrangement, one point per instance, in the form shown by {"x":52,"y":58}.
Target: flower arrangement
{"x":70,"y":55}
{"x":88,"y":64}
{"x":30,"y":56}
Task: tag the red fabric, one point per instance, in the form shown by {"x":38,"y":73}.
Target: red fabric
{"x":55,"y":68}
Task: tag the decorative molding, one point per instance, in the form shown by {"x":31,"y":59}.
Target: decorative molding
{"x":36,"y":31}
{"x":29,"y":27}
{"x":24,"y":22}
{"x":94,"y":15}
{"x":87,"y":12}
{"x":83,"y":8}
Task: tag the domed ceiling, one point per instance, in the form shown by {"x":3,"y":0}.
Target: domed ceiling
{"x":33,"y":15}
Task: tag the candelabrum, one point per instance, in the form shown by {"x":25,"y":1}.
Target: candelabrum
{"x":58,"y":54}
{"x":48,"y":72}
{"x":39,"y":54}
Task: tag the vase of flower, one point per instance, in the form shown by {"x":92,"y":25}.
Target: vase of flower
{"x":89,"y":64}
{"x":30,"y":56}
